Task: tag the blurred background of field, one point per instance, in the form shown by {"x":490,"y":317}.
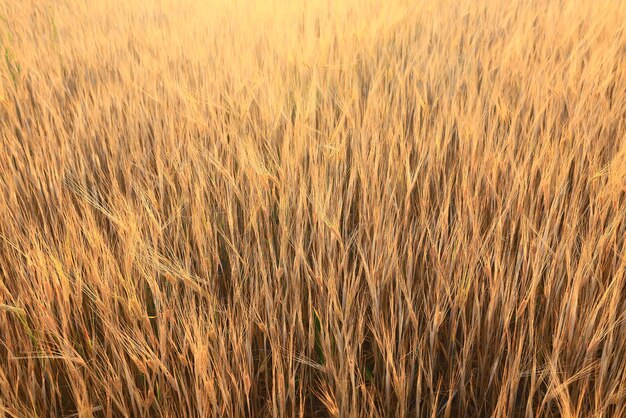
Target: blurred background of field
{"x":312,"y":208}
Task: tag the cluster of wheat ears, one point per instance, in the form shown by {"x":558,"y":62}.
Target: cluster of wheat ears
{"x":312,"y":208}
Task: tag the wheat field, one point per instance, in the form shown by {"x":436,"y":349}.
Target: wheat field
{"x":373,"y":208}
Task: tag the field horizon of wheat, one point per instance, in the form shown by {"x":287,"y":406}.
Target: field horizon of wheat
{"x":315,"y":208}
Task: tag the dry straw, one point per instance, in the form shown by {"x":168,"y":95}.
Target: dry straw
{"x":312,"y":208}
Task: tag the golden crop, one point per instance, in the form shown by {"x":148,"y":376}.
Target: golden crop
{"x":312,"y":208}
